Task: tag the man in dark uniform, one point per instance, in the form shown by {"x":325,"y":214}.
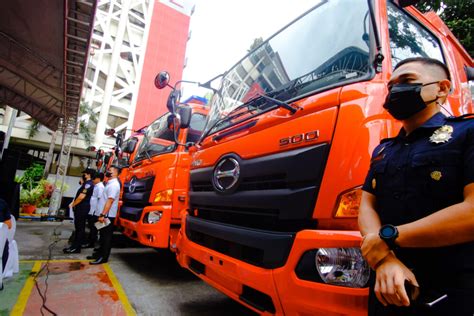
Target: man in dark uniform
{"x":81,"y":207}
{"x":417,"y":208}
{"x":5,"y":217}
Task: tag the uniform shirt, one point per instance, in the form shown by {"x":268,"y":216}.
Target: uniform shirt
{"x":86,"y":188}
{"x":4,"y":211}
{"x":416,"y":175}
{"x":112,"y":191}
{"x":97,"y":199}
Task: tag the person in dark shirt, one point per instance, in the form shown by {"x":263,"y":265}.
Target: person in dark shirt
{"x":81,"y":207}
{"x":417,"y":209}
{"x":5,"y":218}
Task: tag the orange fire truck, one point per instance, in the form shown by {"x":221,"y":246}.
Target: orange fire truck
{"x":275,"y":182}
{"x":155,"y":190}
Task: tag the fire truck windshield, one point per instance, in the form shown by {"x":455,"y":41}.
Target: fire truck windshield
{"x":158,"y":139}
{"x":326,"y":47}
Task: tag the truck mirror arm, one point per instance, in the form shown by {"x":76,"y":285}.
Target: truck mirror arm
{"x":379,"y":57}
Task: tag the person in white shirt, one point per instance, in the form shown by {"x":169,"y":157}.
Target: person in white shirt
{"x":111,"y":196}
{"x":97,"y":204}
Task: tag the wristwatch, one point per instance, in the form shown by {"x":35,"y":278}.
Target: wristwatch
{"x":389,"y":233}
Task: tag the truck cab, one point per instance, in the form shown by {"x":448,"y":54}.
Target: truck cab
{"x":155,"y":186}
{"x":276,"y":180}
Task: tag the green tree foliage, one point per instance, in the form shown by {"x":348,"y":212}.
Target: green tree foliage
{"x":33,"y":129}
{"x":255,"y":44}
{"x":86,"y":128}
{"x":458,"y":16}
{"x":32,"y":176}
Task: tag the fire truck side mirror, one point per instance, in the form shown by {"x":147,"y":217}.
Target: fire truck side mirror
{"x":119,"y":140}
{"x":130,"y":145}
{"x":109,"y":132}
{"x":185,"y":113}
{"x":469,"y":73}
{"x":162,"y":79}
{"x":173,"y":100}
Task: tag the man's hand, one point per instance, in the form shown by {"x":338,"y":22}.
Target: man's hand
{"x":374,"y":249}
{"x":101,"y":219}
{"x":71,"y":205}
{"x":8,"y":222}
{"x":390,"y":282}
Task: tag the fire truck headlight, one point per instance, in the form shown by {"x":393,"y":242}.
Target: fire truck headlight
{"x":153,"y":217}
{"x":342,"y":266}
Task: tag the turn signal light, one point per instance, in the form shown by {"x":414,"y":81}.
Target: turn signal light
{"x":349,"y":203}
{"x":164,"y":196}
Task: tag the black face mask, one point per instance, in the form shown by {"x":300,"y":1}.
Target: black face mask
{"x":108,"y":174}
{"x":84,"y":177}
{"x":404,"y":100}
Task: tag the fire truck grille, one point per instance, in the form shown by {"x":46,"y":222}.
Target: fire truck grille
{"x":136,"y":195}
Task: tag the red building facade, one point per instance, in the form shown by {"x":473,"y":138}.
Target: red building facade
{"x":165,"y":50}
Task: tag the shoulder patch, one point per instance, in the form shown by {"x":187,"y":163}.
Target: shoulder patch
{"x":464,"y":117}
{"x":87,"y":186}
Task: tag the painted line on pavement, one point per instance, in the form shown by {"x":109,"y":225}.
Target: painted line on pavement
{"x":121,"y":293}
{"x":25,"y":293}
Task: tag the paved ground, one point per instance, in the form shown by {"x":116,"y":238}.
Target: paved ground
{"x":146,"y":282}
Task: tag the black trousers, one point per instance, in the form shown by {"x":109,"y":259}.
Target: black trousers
{"x":91,"y":220}
{"x":80,"y":218}
{"x":5,"y":256}
{"x":105,"y":240}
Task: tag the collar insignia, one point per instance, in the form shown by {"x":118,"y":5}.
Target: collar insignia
{"x":436,"y":175}
{"x":442,"y":134}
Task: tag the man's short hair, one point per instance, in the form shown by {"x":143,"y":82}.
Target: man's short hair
{"x":90,"y":172}
{"x":426,"y":61}
{"x":99,"y":175}
{"x":119,"y":169}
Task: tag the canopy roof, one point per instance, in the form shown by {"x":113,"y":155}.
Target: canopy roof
{"x":44,"y":47}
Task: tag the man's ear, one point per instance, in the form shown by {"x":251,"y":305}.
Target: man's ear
{"x":444,"y":88}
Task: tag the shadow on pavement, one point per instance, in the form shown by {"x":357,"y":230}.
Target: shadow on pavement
{"x":160,"y":266}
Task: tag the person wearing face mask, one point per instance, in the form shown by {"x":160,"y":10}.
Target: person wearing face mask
{"x":81,"y":207}
{"x":109,"y":210}
{"x":417,"y":209}
{"x":97,"y":204}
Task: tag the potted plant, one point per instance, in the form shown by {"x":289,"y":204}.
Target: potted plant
{"x":32,"y":188}
{"x":46,"y":189}
{"x":29,"y":199}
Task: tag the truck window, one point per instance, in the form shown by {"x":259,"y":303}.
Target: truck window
{"x":198,"y":121}
{"x":408,"y":38}
{"x":158,"y":139}
{"x":325,"y":48}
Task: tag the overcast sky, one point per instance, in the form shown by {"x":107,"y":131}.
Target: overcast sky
{"x":223,"y":30}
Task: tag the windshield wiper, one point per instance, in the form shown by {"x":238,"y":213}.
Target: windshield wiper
{"x":145,"y":136}
{"x":250,"y":107}
{"x":279,"y":103}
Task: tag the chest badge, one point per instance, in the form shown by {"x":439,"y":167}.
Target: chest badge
{"x":374,"y":183}
{"x":442,"y":134}
{"x":436,"y":175}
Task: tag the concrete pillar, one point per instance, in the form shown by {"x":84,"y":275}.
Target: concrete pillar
{"x":109,"y":84}
{"x":12,"y":117}
{"x":49,"y":158}
{"x":8,"y":115}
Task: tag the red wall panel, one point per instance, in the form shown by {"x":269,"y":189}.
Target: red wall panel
{"x":165,"y":51}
